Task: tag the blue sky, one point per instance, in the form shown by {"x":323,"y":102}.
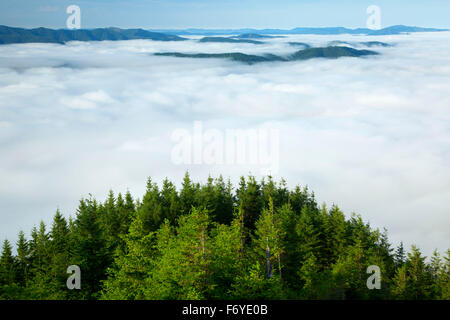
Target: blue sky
{"x":224,"y":13}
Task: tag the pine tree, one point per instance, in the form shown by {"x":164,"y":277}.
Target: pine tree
{"x":290,"y":242}
{"x":400,"y":256}
{"x":399,"y":289}
{"x":170,"y":201}
{"x":7,"y":274}
{"x":250,"y":199}
{"x":23,"y":260}
{"x":91,"y":253}
{"x":418,"y":285}
{"x":227,"y":257}
{"x":445,"y":282}
{"x":8,"y":288}
{"x":316,"y":283}
{"x":188,"y":194}
{"x":335,"y":234}
{"x":125,"y":212}
{"x":39,"y":287}
{"x":59,"y":256}
{"x":349,"y":273}
{"x":268,"y":241}
{"x":253,"y":284}
{"x":110,"y":222}
{"x":131,"y":268}
{"x":308,"y":234}
{"x":150,"y":210}
{"x":223,"y":202}
{"x":436,"y":274}
{"x":182,"y":271}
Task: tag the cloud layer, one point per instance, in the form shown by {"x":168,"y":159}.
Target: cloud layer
{"x":371,"y":135}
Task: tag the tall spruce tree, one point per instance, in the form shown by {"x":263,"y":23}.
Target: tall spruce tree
{"x":91,"y":252}
{"x":418,"y":284}
{"x":23,"y":260}
{"x":182,"y":270}
{"x":7,"y":271}
{"x":251,"y":201}
{"x":59,"y":257}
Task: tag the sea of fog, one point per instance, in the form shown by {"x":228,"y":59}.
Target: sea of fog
{"x":371,"y":135}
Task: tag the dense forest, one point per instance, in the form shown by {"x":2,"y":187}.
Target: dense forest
{"x":259,"y":240}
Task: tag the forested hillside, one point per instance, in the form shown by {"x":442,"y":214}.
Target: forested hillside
{"x":258,"y":240}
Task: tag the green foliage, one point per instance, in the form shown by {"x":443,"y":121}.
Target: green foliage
{"x":181,"y":269}
{"x":253,"y":284}
{"x":400,"y":284}
{"x":267,"y":243}
{"x":91,"y":251}
{"x":211,"y":241}
{"x":250,"y":200}
{"x":305,"y":54}
{"x":7,"y":270}
{"x":445,"y":277}
{"x":23,"y":260}
{"x":44,"y":35}
{"x":418,"y":284}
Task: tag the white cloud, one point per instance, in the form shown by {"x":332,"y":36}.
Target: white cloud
{"x":371,"y":135}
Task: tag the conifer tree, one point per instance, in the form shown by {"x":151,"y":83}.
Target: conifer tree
{"x":400,"y":256}
{"x":251,"y":201}
{"x":8,"y":288}
{"x":182,"y":271}
{"x":91,"y":253}
{"x":7,"y":274}
{"x":268,"y":241}
{"x":170,"y":201}
{"x":335,"y":231}
{"x":253,"y":284}
{"x":223,"y":202}
{"x":227,"y":257}
{"x":23,"y":260}
{"x":349,"y":272}
{"x":127,"y":277}
{"x":290,"y":242}
{"x":436,"y":274}
{"x":188,"y":194}
{"x":59,"y":257}
{"x":445,"y":282}
{"x":110,"y":222}
{"x":316,"y":282}
{"x":399,"y":289}
{"x":150,"y":210}
{"x":418,"y":284}
{"x":39,"y":286}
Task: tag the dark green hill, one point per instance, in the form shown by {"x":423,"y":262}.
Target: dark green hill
{"x":329,"y":53}
{"x":228,"y":40}
{"x":255,"y":36}
{"x":300,"y":44}
{"x":43,"y":35}
{"x":235,"y":56}
{"x":357,"y":44}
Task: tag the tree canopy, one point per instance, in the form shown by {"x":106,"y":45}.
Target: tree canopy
{"x":259,"y":240}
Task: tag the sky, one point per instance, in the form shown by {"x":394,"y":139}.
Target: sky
{"x":371,"y":135}
{"x":224,"y":13}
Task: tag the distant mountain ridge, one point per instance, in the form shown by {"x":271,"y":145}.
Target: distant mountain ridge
{"x":392,"y":30}
{"x":229,"y":40}
{"x":306,"y":54}
{"x":10,"y":35}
